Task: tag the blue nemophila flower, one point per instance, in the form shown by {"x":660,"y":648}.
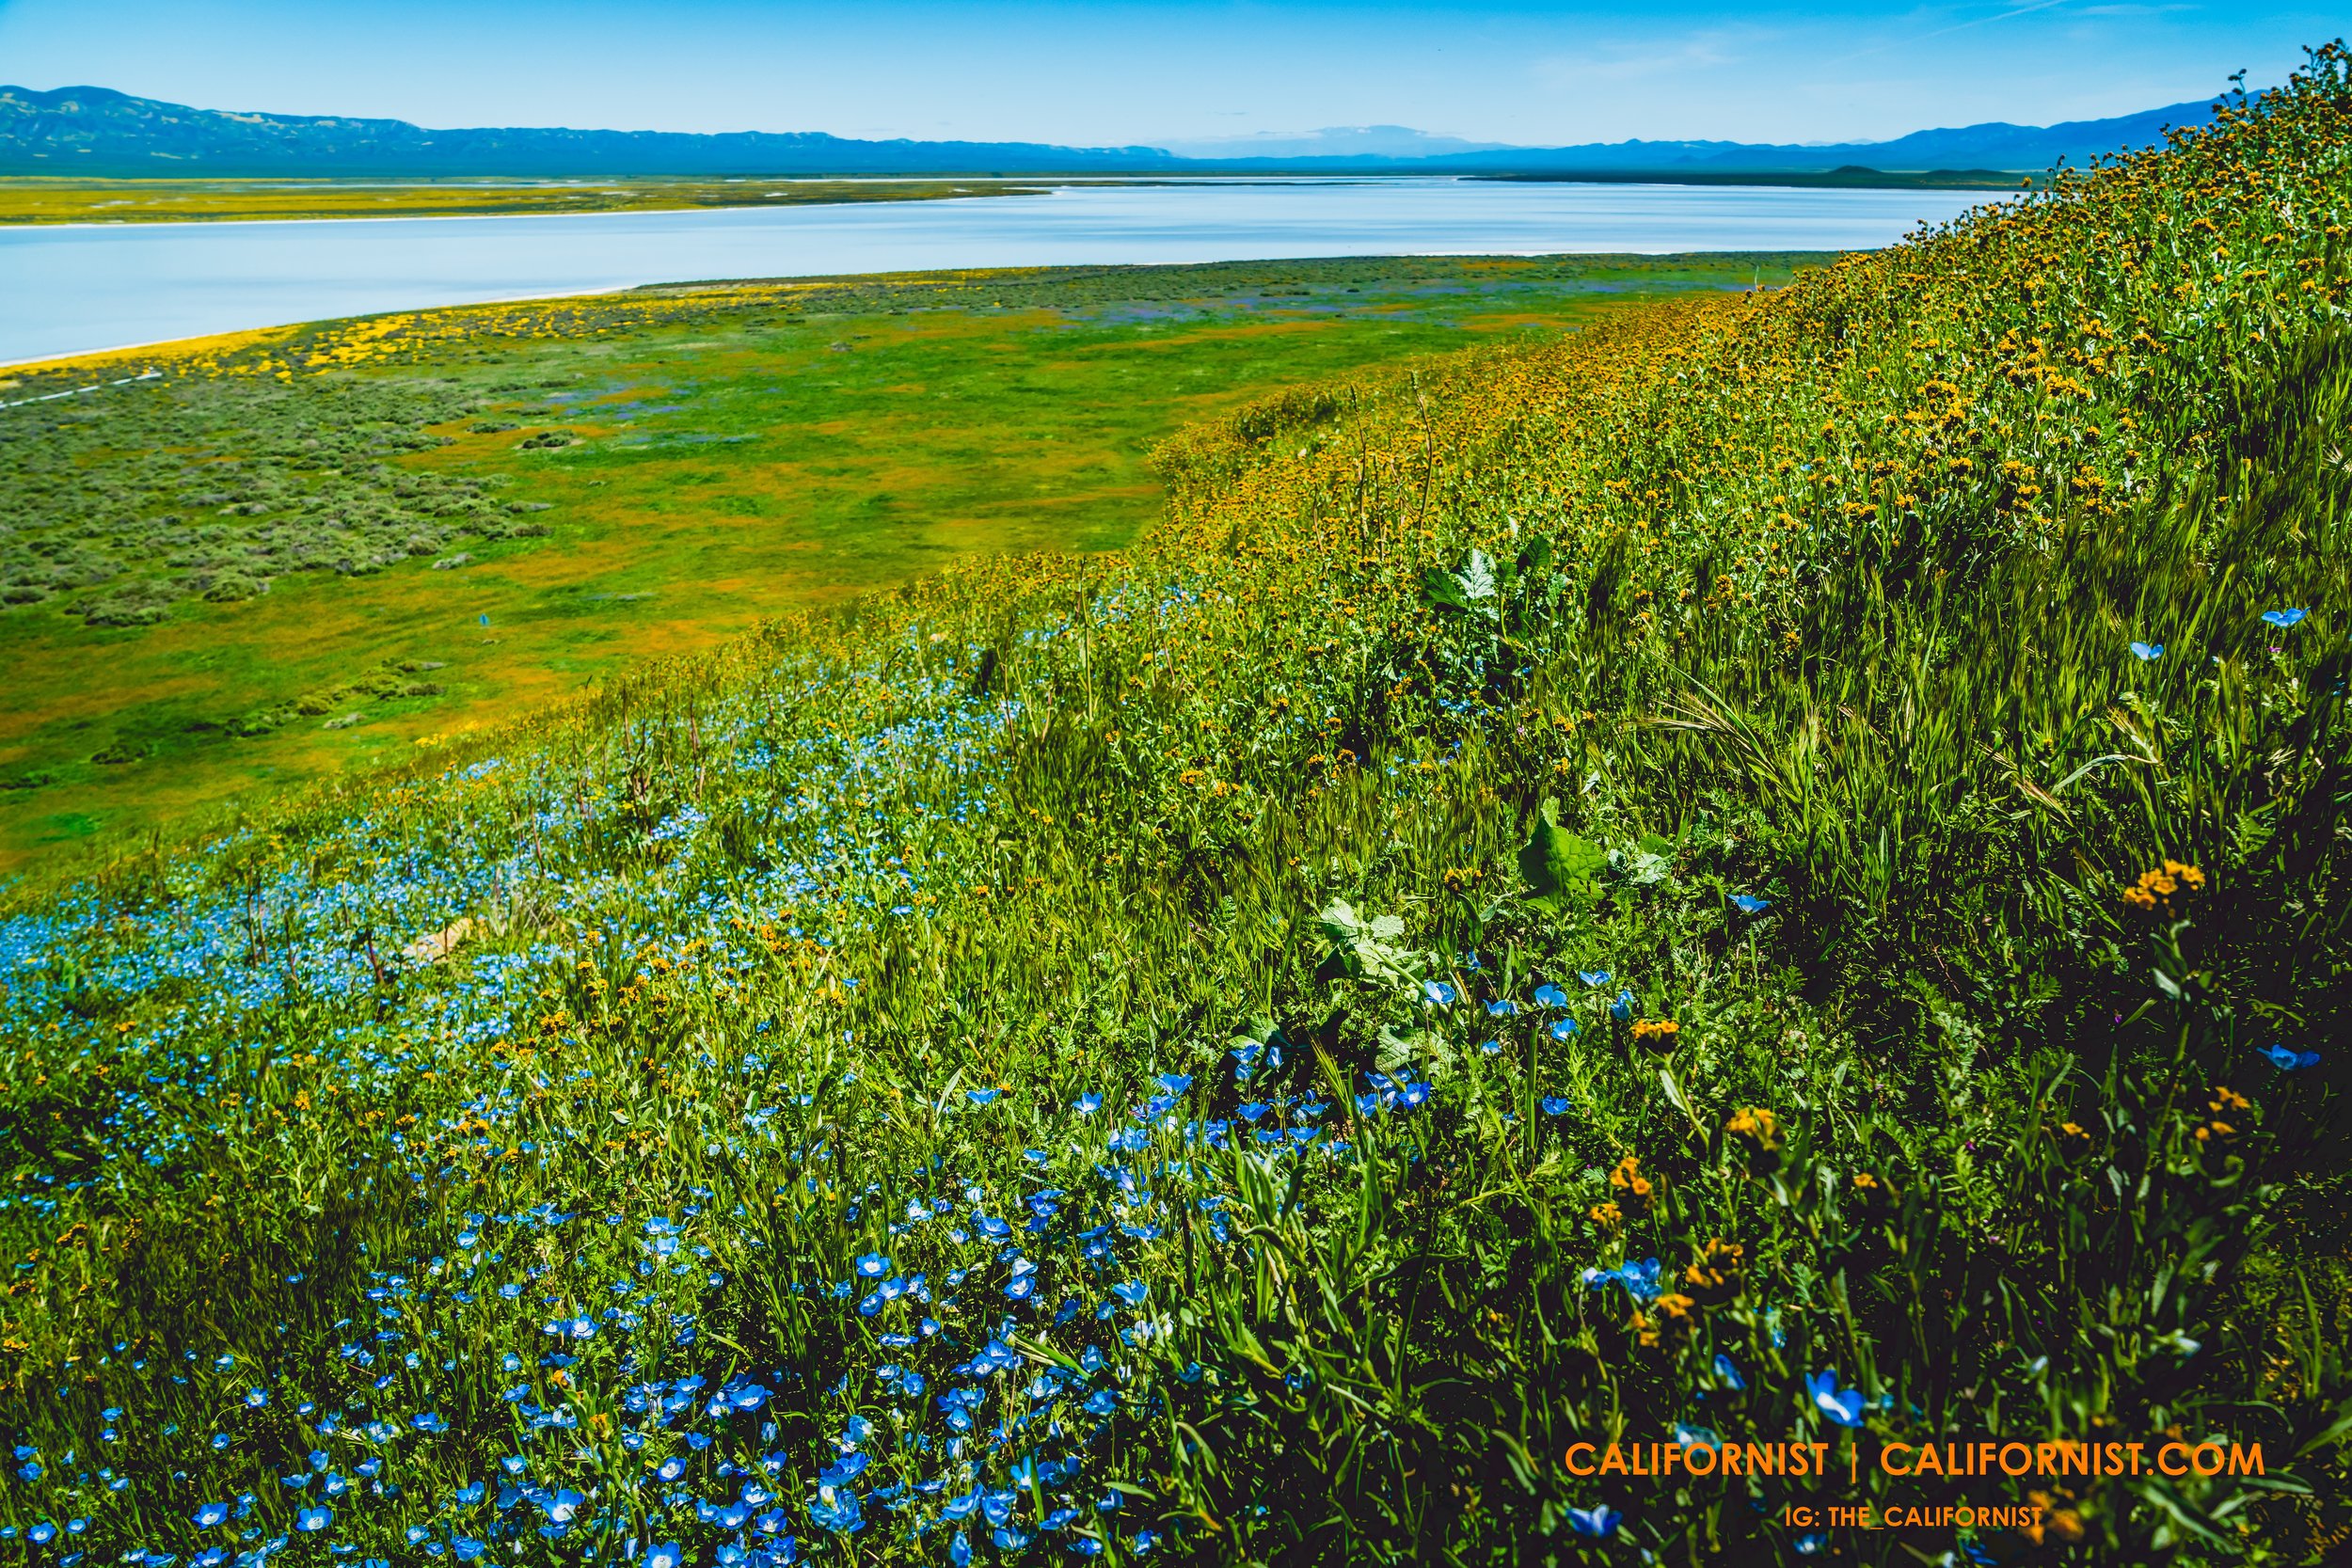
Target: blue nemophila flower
{"x":1555,"y":1105}
{"x":1490,"y":1048}
{"x":1566,"y":1028}
{"x":844,"y":1470}
{"x":669,"y":1554}
{"x":2283,"y":618}
{"x":1174,"y":1084}
{"x":872,"y":1265}
{"x":2289,"y":1060}
{"x":1842,"y":1405}
{"x":2147,"y":653}
{"x":1594,"y":977}
{"x":1595,"y":1522}
{"x":1639,"y":1279}
{"x":1133,"y":1293}
{"x":982,"y":1097}
{"x":1727,"y":1374}
{"x":837,"y":1511}
{"x":1550,"y":996}
{"x":256,"y":1397}
{"x":311,"y":1520}
{"x":210,"y":1515}
{"x":1622,"y":1008}
{"x":1437,"y":993}
{"x":1501,"y":1006}
{"x":1088,"y":1104}
{"x":672,"y":1468}
{"x":1748,"y":903}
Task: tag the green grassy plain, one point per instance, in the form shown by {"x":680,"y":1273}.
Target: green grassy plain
{"x":750,"y":459}
{"x":44,"y":200}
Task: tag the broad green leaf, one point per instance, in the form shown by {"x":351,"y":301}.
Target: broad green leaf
{"x":1559,"y":866}
{"x":1478,"y":577}
{"x":1442,"y":590}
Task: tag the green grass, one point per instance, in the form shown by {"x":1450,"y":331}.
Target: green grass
{"x":1626,"y":888}
{"x":45,"y":199}
{"x":761,"y":454}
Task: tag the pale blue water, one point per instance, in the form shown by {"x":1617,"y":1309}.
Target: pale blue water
{"x":74,"y":289}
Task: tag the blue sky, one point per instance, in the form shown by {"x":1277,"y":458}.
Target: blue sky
{"x":1165,"y":70}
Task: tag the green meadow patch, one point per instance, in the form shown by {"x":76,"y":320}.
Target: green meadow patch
{"x":676,"y":467}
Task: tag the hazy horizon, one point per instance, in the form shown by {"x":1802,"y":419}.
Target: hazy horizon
{"x":1483,"y":72}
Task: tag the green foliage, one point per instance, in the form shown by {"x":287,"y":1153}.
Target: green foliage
{"x":1558,"y":866}
{"x":212,"y":488}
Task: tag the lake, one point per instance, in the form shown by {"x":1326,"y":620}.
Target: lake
{"x":73,"y":289}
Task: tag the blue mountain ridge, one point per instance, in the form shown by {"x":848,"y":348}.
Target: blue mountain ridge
{"x":99,"y":132}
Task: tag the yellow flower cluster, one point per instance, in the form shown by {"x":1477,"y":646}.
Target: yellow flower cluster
{"x":1631,"y":1187}
{"x":2157,"y":888}
{"x":1660,"y":1034}
{"x":1758,"y":1129}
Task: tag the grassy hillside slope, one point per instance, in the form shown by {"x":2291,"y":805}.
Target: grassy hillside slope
{"x":1771,"y":873}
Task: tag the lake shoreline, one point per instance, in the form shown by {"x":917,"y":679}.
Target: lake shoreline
{"x":855,"y":191}
{"x":65,"y":289}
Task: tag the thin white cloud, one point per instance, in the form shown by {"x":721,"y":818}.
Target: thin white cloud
{"x":2009,"y":15}
{"x":1625,"y":62}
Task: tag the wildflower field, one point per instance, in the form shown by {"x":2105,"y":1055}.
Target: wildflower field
{"x":1765,"y":883}
{"x":230,"y":565}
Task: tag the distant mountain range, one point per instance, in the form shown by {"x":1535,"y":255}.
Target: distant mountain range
{"x":1335,"y":141}
{"x":97,"y":131}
